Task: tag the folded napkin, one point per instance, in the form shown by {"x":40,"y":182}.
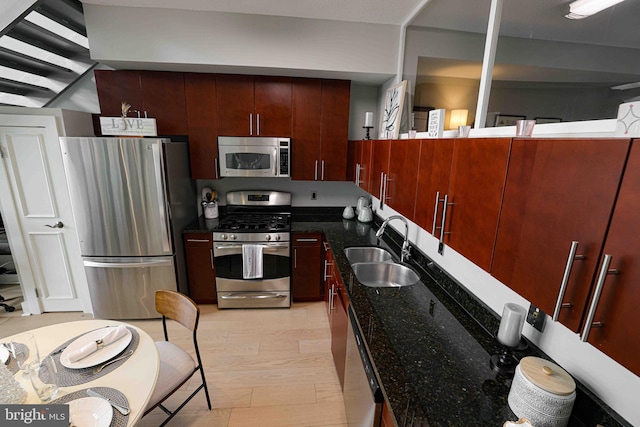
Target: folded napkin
{"x":113,"y":335}
{"x":252,"y":261}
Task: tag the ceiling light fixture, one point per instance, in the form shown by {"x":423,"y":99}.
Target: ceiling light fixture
{"x":580,"y":9}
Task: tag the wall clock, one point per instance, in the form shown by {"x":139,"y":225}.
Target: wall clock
{"x":392,"y":112}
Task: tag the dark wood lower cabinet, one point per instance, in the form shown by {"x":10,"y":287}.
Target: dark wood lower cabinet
{"x":337,"y":304}
{"x":387,"y":416}
{"x":201,"y":271}
{"x":306,"y":267}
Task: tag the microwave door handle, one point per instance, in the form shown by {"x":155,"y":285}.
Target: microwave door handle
{"x":275,"y":162}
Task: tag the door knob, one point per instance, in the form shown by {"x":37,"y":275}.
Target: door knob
{"x":59,"y":224}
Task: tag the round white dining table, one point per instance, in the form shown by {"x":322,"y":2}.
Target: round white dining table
{"x":135,"y":378}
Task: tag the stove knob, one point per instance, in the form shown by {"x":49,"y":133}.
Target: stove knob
{"x":223,"y":236}
{"x":277,"y":237}
{"x":268,"y":237}
{"x":233,"y":237}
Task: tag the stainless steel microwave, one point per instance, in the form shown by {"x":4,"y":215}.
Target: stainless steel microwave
{"x":261,"y":157}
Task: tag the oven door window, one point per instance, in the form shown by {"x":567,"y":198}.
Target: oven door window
{"x":275,"y":262}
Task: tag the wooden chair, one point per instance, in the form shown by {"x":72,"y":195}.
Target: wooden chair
{"x":176,"y":365}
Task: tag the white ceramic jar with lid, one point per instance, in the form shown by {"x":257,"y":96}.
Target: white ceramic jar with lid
{"x":542,"y":392}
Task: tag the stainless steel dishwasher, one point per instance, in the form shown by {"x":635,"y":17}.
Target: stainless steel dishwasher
{"x":362,"y":393}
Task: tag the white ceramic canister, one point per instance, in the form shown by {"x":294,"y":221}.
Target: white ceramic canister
{"x":210,"y":209}
{"x":542,"y":392}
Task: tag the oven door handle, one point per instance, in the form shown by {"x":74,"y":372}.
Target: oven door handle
{"x":252,"y":295}
{"x":266,"y":247}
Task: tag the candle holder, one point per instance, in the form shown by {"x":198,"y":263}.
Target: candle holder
{"x":368,"y":128}
{"x":505,"y":362}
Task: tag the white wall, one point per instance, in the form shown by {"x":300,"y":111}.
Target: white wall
{"x":210,"y":41}
{"x":363,"y":99}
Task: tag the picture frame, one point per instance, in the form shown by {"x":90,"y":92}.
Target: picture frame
{"x":392,"y":112}
{"x":507,"y":119}
{"x":541,"y":120}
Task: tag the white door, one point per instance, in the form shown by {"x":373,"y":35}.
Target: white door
{"x":34,"y":196}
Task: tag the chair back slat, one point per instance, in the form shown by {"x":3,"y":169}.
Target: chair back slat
{"x":178,"y":307}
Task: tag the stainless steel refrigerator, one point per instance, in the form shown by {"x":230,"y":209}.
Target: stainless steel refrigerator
{"x":131,"y":199}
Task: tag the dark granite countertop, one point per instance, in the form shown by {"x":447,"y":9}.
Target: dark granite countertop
{"x":430,"y":343}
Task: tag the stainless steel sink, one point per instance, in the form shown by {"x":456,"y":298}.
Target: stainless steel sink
{"x":367,"y":254}
{"x":384,"y":274}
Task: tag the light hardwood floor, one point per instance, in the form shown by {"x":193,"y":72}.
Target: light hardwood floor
{"x":264,"y":367}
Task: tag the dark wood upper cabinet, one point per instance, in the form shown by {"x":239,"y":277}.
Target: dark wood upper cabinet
{"x":557,"y":191}
{"x":202,"y":118}
{"x":163,"y":97}
{"x":273,"y":106}
{"x":254,"y":106}
{"x":477,"y":182}
{"x":434,"y":173}
{"x":235,"y":104}
{"x":401,"y":181}
{"x":307,"y":110}
{"x":616,"y":309}
{"x":116,"y":87}
{"x":320,"y":129}
{"x":380,"y":154}
{"x":359,"y":163}
{"x":159,"y":94}
{"x":335,"y":129}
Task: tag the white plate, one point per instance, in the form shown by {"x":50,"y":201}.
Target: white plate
{"x":4,"y":354}
{"x":102,"y":355}
{"x":90,"y":412}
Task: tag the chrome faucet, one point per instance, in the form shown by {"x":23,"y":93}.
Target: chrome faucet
{"x":405,"y":254}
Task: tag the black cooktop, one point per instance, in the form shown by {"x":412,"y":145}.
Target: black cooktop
{"x":254,"y":222}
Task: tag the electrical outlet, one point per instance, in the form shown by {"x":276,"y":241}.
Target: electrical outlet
{"x":314,"y":195}
{"x":536,"y":317}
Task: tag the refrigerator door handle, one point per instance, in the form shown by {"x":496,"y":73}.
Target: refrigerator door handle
{"x":157,"y":164}
{"x":153,"y":263}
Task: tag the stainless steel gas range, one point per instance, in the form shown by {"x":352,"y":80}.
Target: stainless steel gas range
{"x":252,"y":251}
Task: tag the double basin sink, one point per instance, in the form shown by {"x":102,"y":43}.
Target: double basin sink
{"x":375,"y":267}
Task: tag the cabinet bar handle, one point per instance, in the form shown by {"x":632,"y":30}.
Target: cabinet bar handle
{"x":323,"y":170}
{"x":602,"y":277}
{"x":316,"y":173}
{"x":306,"y":240}
{"x":444,"y":217}
{"x":358,"y":174}
{"x":211,"y":255}
{"x":386,"y":181}
{"x":435,"y":214}
{"x":215,"y":165}
{"x":199,"y":240}
{"x":381,"y":185}
{"x":258,"y":124}
{"x":565,"y":279}
{"x":295,"y":258}
{"x":332,"y":294}
{"x":250,"y":123}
